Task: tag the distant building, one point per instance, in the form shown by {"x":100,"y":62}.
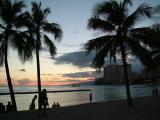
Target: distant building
{"x":115,"y":74}
{"x":151,"y":75}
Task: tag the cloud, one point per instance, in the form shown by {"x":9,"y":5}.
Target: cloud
{"x":23,"y":82}
{"x":22,"y":70}
{"x":79,"y":58}
{"x":79,"y":74}
{"x":69,"y":45}
{"x":46,"y":74}
{"x":28,"y":82}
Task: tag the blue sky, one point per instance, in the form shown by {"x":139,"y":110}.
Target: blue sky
{"x":72,"y":15}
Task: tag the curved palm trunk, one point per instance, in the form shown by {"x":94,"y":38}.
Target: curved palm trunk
{"x":129,"y":99}
{"x":38,"y":72}
{"x":9,"y":78}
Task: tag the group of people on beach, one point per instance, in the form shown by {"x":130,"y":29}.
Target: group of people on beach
{"x":55,"y":106}
{"x":6,"y":109}
{"x":42,"y":101}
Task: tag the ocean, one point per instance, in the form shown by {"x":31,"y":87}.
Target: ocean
{"x":100,"y":93}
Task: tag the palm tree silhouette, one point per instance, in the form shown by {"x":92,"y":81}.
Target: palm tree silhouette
{"x":150,"y":36}
{"x":113,"y":20}
{"x":8,"y":14}
{"x":37,"y":30}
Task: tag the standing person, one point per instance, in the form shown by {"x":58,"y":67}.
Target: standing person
{"x":43,"y":102}
{"x":90,"y":97}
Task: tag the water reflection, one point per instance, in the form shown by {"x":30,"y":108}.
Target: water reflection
{"x":99,"y":93}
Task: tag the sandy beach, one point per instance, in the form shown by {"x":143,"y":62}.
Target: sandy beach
{"x":145,"y":108}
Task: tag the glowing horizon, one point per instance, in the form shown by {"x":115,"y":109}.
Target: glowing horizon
{"x":72,"y":16}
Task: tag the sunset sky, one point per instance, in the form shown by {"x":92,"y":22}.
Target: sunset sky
{"x":71,"y":65}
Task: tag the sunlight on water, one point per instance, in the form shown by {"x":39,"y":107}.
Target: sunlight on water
{"x":100,"y":93}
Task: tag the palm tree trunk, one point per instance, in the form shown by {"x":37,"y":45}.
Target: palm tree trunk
{"x":129,"y":99}
{"x":38,"y":72}
{"x":9,"y":78}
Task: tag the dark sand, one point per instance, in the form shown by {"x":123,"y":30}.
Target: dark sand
{"x":145,"y":108}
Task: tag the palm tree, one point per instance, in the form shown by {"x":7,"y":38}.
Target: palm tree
{"x":37,"y":29}
{"x":114,"y":21}
{"x":150,"y":36}
{"x":8,"y":14}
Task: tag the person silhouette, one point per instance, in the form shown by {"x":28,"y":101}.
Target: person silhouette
{"x":2,"y":108}
{"x":9,"y":107}
{"x":58,"y":105}
{"x":43,"y":102}
{"x":32,"y":105}
{"x":54,"y":105}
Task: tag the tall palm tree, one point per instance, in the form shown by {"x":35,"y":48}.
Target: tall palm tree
{"x":112,"y":18}
{"x":8,"y":14}
{"x":37,"y":29}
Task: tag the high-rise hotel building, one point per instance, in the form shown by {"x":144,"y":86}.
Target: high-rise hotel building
{"x":115,"y":74}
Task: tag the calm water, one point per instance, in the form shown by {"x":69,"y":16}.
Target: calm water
{"x":100,"y":93}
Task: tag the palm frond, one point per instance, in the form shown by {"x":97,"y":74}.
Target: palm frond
{"x":37,"y":13}
{"x":103,"y":8}
{"x":24,"y":20}
{"x":102,"y":53}
{"x":112,"y":11}
{"x":148,"y":35}
{"x":54,"y":29}
{"x":96,"y":23}
{"x":9,"y":10}
{"x":50,"y":45}
{"x":2,"y":27}
{"x":25,"y":53}
{"x":36,"y":6}
{"x":5,"y":11}
{"x":142,"y":11}
{"x":24,"y":44}
{"x":17,"y":7}
{"x":98,"y":43}
{"x":140,"y":52}
{"x":46,"y":11}
{"x":103,"y":46}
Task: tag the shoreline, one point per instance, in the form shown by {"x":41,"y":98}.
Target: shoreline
{"x":145,"y":108}
{"x":53,"y":91}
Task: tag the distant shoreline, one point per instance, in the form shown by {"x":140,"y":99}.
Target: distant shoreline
{"x":54,"y":91}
